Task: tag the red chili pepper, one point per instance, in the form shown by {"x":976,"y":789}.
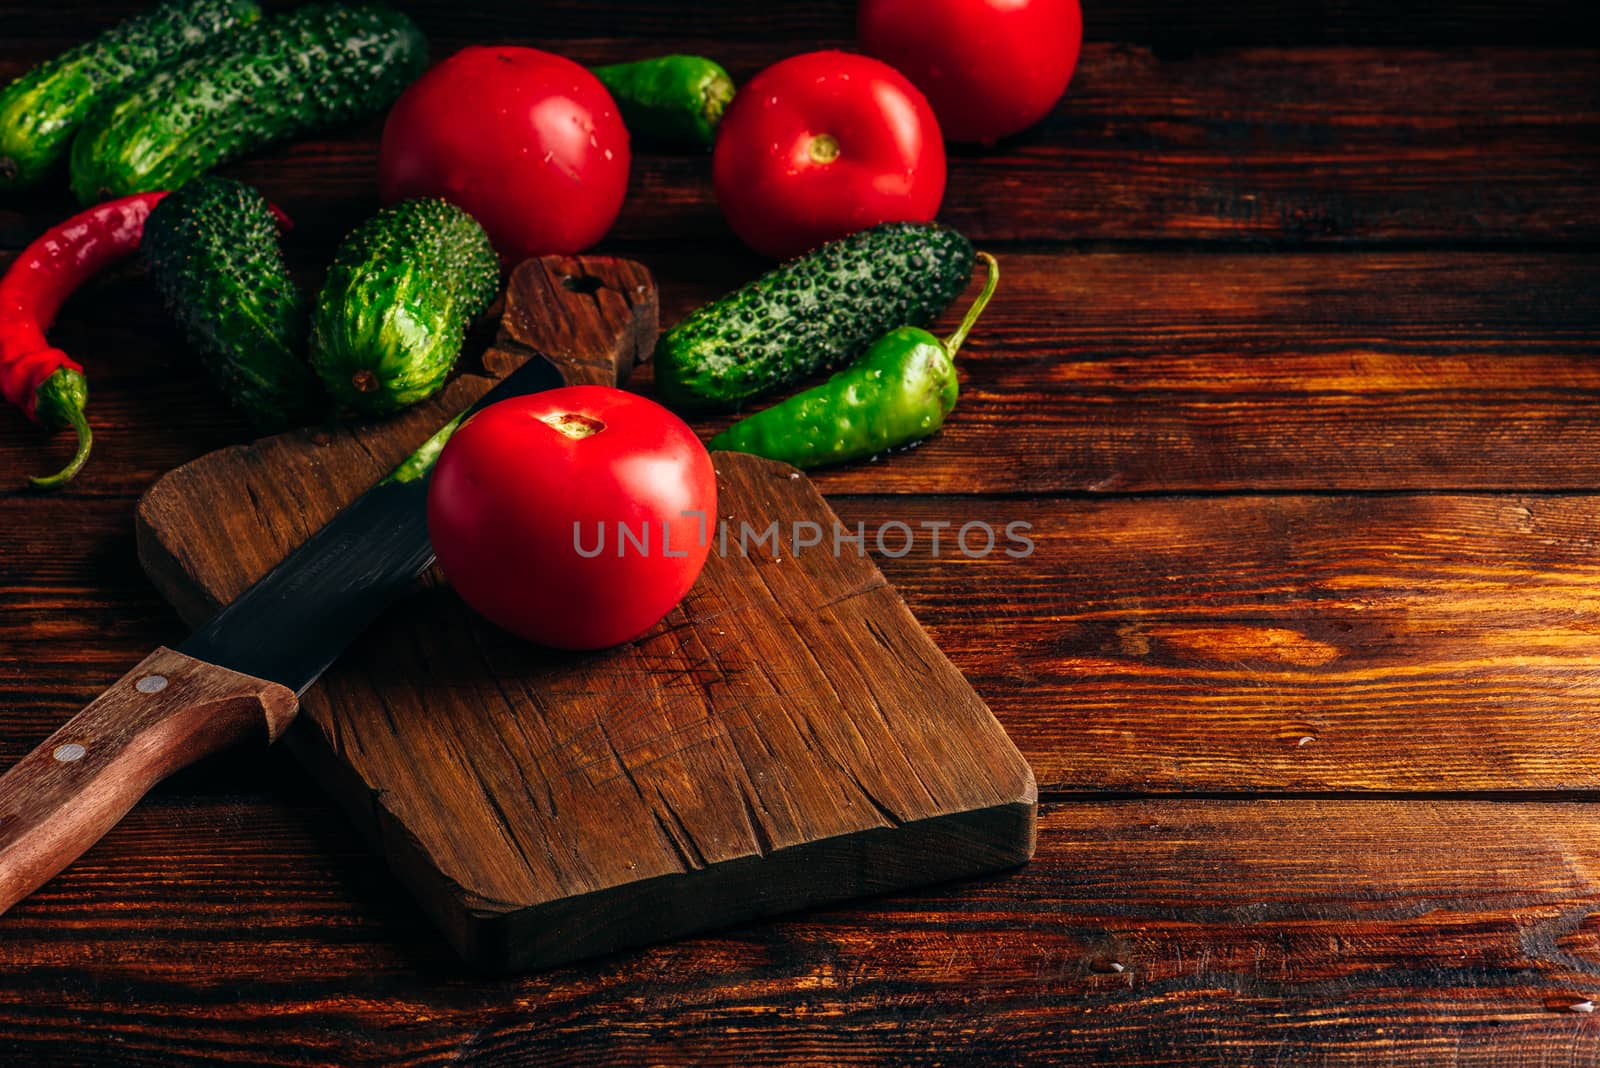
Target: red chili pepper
{"x":43,"y":381}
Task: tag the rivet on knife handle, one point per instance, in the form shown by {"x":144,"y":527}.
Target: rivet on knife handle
{"x":165,"y":714}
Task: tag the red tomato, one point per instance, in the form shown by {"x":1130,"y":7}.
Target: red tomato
{"x":989,"y":67}
{"x":528,"y":143}
{"x":821,"y":145}
{"x":576,"y":517}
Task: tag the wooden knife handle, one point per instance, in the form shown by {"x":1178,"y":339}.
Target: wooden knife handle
{"x":163,"y":715}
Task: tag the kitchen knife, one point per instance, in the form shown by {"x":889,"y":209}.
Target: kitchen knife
{"x":238,"y":676}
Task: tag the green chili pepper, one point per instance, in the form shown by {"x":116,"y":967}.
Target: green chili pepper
{"x":900,"y":390}
{"x":677,"y":99}
{"x":419,"y":463}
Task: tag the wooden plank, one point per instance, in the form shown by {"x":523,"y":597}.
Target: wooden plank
{"x":1338,"y":933}
{"x":1304,"y":147}
{"x":1404,"y":642}
{"x":1173,"y":372}
{"x":1175,"y":24}
{"x":258,"y":930}
{"x":1146,"y":645}
{"x":1097,"y":373}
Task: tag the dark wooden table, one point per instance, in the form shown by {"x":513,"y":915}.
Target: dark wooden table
{"x":1294,"y":372}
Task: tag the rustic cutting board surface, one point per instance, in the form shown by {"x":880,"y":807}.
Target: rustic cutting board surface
{"x":787,"y":735}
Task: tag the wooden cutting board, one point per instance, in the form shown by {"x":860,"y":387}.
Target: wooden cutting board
{"x":788,"y":735}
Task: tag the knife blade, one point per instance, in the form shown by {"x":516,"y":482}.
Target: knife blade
{"x":301,"y":615}
{"x":240,"y":672}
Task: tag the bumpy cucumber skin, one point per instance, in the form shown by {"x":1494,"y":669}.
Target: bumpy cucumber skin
{"x":397,"y":302}
{"x":677,"y":99}
{"x":212,"y":250}
{"x":40,"y":111}
{"x":819,"y":310}
{"x":318,"y":66}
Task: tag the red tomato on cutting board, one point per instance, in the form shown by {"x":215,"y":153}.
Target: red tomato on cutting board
{"x":989,"y":67}
{"x":576,"y":517}
{"x":821,"y":145}
{"x":528,"y":143}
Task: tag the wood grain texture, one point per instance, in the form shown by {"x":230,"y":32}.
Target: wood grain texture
{"x":1254,"y":934}
{"x":786,"y":735}
{"x":1173,"y":372}
{"x":1332,"y":147}
{"x":1146,"y":644}
{"x":1405,"y":643}
{"x":1098,"y":373}
{"x":1169,"y":24}
{"x":1336,"y":272}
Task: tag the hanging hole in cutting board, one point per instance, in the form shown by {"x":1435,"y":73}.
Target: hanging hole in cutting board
{"x":582,"y":283}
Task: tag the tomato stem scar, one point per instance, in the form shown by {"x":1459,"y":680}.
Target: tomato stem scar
{"x":824,"y":148}
{"x":572,"y":424}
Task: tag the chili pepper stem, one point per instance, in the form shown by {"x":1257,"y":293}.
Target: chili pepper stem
{"x":85,"y":440}
{"x":716,"y":94}
{"x":60,"y":403}
{"x":953,"y":342}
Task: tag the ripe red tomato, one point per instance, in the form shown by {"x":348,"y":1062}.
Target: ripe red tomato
{"x":576,"y":517}
{"x":821,"y":145}
{"x":989,"y":67}
{"x":528,"y":143}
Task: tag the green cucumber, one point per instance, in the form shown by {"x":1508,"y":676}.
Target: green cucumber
{"x":318,"y":66}
{"x":397,"y":302}
{"x":674,"y":98}
{"x":41,"y":110}
{"x":212,"y":250}
{"x":820,"y":310}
